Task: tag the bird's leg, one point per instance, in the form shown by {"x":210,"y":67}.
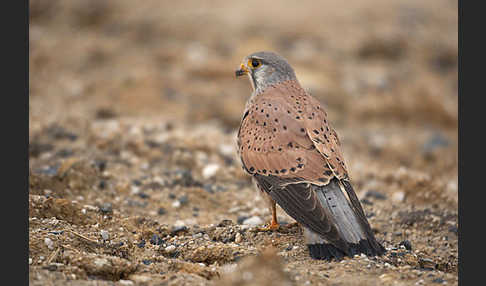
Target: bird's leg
{"x":273,"y":224}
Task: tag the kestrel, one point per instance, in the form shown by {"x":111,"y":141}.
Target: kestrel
{"x":294,"y":156}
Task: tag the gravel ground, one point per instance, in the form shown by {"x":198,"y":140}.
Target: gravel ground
{"x":133,"y":114}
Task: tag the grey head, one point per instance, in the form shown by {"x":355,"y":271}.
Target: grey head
{"x":265,"y":69}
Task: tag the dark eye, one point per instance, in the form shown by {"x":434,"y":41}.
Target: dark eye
{"x":255,"y":63}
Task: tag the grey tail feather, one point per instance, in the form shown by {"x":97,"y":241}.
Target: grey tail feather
{"x":351,"y":221}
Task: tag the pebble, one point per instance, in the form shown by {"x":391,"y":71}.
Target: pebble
{"x":105,"y":235}
{"x":398,"y":197}
{"x":30,"y":261}
{"x":161,"y":211}
{"x":178,"y":229}
{"x":156,"y":240}
{"x":49,"y":243}
{"x":375,"y":194}
{"x":170,"y":249}
{"x":184,"y":200}
{"x":210,"y":170}
{"x":106,"y":208}
{"x":241,"y":219}
{"x":176,"y":204}
{"x":238,"y":238}
{"x":438,"y":280}
{"x":407,"y":244}
{"x":141,"y":244}
{"x":125,"y":282}
{"x":253,"y":221}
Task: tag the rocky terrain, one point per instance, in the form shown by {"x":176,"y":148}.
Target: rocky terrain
{"x":133,"y":115}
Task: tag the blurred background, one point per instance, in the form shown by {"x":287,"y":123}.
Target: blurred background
{"x":140,"y":88}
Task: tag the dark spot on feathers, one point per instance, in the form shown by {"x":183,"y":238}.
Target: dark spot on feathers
{"x":264,"y":171}
{"x":299,"y":159}
{"x":285,"y":127}
{"x":283,"y":170}
{"x":274,"y":129}
{"x":297,"y":117}
{"x":302,"y":130}
{"x":316,"y":131}
{"x":290,"y":144}
{"x":292,"y":169}
{"x":252,"y":169}
{"x":328,"y":173}
{"x":276,"y":171}
{"x":300,"y":166}
{"x":276,"y":120}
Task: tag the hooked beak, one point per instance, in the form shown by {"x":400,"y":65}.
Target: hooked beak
{"x":243,"y":70}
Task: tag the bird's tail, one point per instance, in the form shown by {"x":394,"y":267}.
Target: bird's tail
{"x":342,"y":205}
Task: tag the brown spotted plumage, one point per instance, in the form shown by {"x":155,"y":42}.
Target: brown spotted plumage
{"x":294,"y":155}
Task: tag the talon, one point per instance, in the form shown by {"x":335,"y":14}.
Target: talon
{"x":272,"y":227}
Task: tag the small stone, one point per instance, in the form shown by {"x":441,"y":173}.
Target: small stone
{"x":375,"y":194}
{"x":170,"y":249}
{"x":238,"y":238}
{"x":241,"y":219}
{"x":125,"y":282}
{"x":438,"y":280}
{"x":141,"y":244}
{"x":161,"y":211}
{"x":210,"y":170}
{"x":156,"y":240}
{"x":105,"y":235}
{"x":398,"y":197}
{"x":30,"y":261}
{"x":49,"y":243}
{"x":253,"y":221}
{"x":407,"y":244}
{"x":106,"y":208}
{"x":179,"y":228}
{"x":176,"y":204}
{"x":143,"y":195}
{"x":225,"y":222}
{"x":184,"y":200}
{"x":147,"y":261}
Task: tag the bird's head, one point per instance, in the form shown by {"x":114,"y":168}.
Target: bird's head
{"x":265,"y":69}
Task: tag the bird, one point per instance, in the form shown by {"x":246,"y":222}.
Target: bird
{"x":294,"y":156}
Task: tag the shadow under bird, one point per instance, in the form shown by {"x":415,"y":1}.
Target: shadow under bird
{"x":294,"y":156}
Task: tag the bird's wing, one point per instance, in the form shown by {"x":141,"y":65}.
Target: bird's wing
{"x":285,"y":133}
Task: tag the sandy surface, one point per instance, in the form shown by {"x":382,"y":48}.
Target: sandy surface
{"x":133,"y":113}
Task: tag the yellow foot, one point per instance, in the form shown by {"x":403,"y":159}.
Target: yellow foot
{"x":272,"y":227}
